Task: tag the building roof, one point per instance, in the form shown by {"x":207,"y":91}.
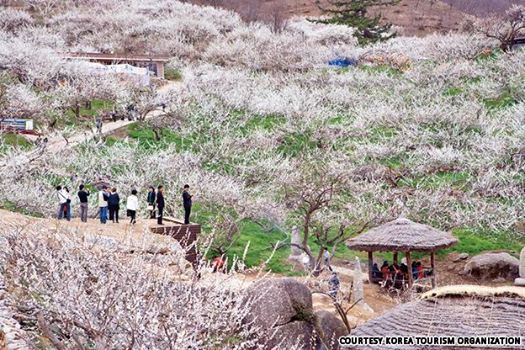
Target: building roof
{"x":116,"y":57}
{"x":453,"y":311}
{"x":402,"y":235}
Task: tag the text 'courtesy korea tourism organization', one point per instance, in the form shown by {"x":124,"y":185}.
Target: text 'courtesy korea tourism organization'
{"x":495,"y":342}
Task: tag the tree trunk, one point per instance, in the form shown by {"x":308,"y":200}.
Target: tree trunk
{"x":157,"y":134}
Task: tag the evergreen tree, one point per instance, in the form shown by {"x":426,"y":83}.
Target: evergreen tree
{"x":353,"y":13}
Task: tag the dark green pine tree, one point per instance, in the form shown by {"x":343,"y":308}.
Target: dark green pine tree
{"x":353,"y":13}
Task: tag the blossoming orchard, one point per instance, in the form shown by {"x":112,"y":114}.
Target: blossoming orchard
{"x":295,"y":140}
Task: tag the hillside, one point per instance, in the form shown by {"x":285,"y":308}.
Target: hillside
{"x":280,"y":147}
{"x":415,"y":17}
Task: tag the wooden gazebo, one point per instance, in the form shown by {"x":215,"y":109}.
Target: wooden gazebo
{"x":402,"y":235}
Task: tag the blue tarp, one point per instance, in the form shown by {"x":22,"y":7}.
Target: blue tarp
{"x":342,"y":62}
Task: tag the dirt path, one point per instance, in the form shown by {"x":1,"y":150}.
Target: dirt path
{"x":57,"y":142}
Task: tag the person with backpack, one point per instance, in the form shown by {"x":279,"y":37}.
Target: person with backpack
{"x":160,"y":204}
{"x":113,"y":205}
{"x":83,"y":197}
{"x":62,"y":202}
{"x":333,"y":285}
{"x":103,"y":204}
{"x":151,"y":202}
{"x":186,"y":202}
{"x":132,"y":205}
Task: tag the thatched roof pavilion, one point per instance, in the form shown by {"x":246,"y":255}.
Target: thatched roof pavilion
{"x":453,"y":311}
{"x":402,"y":235}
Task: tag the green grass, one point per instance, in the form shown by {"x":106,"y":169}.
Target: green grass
{"x":146,"y":137}
{"x":380,"y":68}
{"x":16,"y":140}
{"x":453,"y":91}
{"x":473,"y":242}
{"x":10,"y":206}
{"x":502,"y":101}
{"x":172,"y":74}
{"x":294,"y":144}
{"x":97,"y":106}
{"x":266,"y":122}
{"x":458,"y":180}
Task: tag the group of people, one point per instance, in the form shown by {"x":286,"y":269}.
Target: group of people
{"x":109,"y":204}
{"x":397,"y":273}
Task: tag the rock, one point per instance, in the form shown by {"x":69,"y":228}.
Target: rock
{"x":462,"y":256}
{"x":332,"y":328}
{"x":522,"y":263}
{"x":358,"y":292}
{"x":519,"y":282}
{"x":281,"y":310}
{"x":296,"y":252}
{"x":279,"y":300}
{"x":289,"y":335}
{"x":488,"y":266}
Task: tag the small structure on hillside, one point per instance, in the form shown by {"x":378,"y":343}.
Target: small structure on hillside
{"x":402,"y":235}
{"x":453,"y":311}
{"x":186,"y":235}
{"x":153,"y":63}
{"x":22,"y":126}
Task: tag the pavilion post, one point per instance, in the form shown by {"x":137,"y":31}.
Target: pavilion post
{"x":395,"y":258}
{"x":409,"y":264}
{"x":433,"y":266}
{"x":370,"y":266}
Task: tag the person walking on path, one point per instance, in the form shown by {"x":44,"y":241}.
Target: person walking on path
{"x":103,"y":204}
{"x":83,"y":197}
{"x":160,"y":204}
{"x":152,"y":196}
{"x":98,"y":124}
{"x":186,"y":201}
{"x":62,"y":202}
{"x":113,"y":205}
{"x":333,"y":285}
{"x":132,"y":205}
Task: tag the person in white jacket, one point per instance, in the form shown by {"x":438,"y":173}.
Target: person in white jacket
{"x":103,"y":204}
{"x":132,"y":205}
{"x":62,"y":202}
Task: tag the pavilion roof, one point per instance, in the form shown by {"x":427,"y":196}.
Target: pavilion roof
{"x":402,"y":235}
{"x":464,"y":310}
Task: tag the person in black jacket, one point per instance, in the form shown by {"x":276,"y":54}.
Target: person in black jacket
{"x":83,"y":196}
{"x":113,"y":205}
{"x":151,"y":202}
{"x":160,"y":204}
{"x":186,"y":201}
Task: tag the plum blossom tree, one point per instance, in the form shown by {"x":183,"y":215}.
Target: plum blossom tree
{"x":504,"y":28}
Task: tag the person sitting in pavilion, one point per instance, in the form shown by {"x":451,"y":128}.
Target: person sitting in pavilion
{"x":376,"y":273}
{"x":385,"y":271}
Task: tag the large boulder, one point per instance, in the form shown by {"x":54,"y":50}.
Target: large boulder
{"x":489,"y":266}
{"x":282,"y":309}
{"x":332,"y":328}
{"x":520,"y":281}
